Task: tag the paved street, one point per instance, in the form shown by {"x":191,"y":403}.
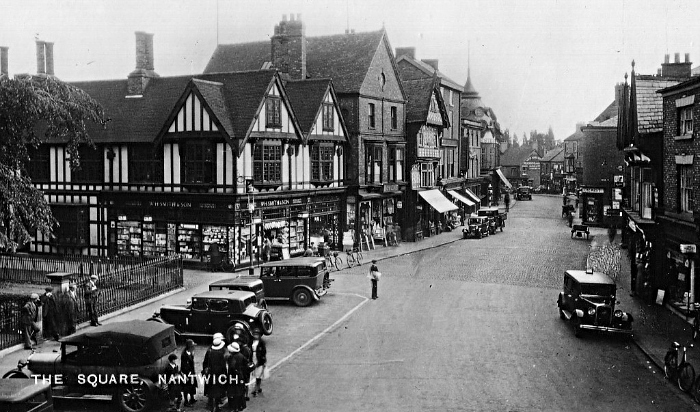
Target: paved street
{"x":469,"y":325}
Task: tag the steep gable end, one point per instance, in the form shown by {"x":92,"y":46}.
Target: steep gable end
{"x":382,"y":77}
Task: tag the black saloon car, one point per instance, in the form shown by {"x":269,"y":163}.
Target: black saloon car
{"x":588,"y":301}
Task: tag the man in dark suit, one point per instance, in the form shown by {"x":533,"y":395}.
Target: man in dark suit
{"x":91,"y":296}
{"x":30,"y":321}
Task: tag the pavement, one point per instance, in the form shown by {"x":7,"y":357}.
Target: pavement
{"x":655,"y":326}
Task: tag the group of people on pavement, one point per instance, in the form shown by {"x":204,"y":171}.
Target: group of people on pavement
{"x":229,"y":370}
{"x":57,"y":315}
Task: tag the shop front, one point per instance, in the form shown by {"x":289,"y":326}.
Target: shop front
{"x":466,"y":205}
{"x":593,"y":200}
{"x":379,"y":215}
{"x":680,"y":281}
{"x":433,"y":210}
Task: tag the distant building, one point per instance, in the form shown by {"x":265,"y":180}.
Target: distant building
{"x":552,"y":170}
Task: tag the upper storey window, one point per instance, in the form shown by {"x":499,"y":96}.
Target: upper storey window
{"x":328,"y":118}
{"x":273,"y":110}
{"x":198,"y":162}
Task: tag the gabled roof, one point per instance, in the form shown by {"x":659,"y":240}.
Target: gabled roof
{"x":650,"y":116}
{"x":554,"y":155}
{"x":429,"y":71}
{"x":345,"y":58}
{"x":306,"y":98}
{"x":577,"y":135}
{"x":234,"y":99}
{"x":608,"y":113}
{"x":515,"y":156}
{"x":419,"y":93}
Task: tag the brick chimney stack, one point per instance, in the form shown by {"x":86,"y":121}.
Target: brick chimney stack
{"x":677,"y":69}
{"x":288,"y":48}
{"x":3,"y":61}
{"x":138,"y":79}
{"x":48,"y":49}
{"x":431,"y":62}
{"x":40,"y":58}
{"x":406,"y":51}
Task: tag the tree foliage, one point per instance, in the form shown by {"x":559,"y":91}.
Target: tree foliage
{"x":35,"y":109}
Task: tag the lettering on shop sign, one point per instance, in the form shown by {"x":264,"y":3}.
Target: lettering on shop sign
{"x":271,"y":203}
{"x":390,"y":187}
{"x":592,"y":190}
{"x":170,"y":204}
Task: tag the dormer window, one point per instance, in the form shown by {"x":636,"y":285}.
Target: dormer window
{"x":273,"y":110}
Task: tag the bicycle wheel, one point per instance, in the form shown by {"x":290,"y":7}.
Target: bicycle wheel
{"x":359,"y":258}
{"x":686,"y":377}
{"x":350,"y":260}
{"x":338,"y":261}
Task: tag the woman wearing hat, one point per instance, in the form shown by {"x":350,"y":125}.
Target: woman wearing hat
{"x":214,"y":371}
{"x":237,"y":370}
{"x":260,"y":358}
{"x":189,"y":389}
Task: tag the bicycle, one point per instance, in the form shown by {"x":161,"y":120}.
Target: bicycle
{"x":354,"y":257}
{"x":333,"y":260}
{"x":681,"y":372}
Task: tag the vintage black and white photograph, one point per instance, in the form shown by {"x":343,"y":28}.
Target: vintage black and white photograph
{"x":349,"y":205}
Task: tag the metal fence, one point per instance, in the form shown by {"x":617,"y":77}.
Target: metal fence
{"x":119,"y":283}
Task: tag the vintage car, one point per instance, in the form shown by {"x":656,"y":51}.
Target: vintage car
{"x":244,"y":283}
{"x":523,"y":192}
{"x":477,"y":226}
{"x":497,"y":219}
{"x":588,"y":301}
{"x":25,"y":395}
{"x":217,"y":311}
{"x":302,"y":280}
{"x":123,"y":360}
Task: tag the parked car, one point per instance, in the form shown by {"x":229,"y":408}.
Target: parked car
{"x":302,"y":280}
{"x":523,"y":192}
{"x":244,"y":283}
{"x":477,"y":226}
{"x":497,"y":219}
{"x":122,"y":360}
{"x":217,"y":311}
{"x":25,"y":395}
{"x":588,"y":301}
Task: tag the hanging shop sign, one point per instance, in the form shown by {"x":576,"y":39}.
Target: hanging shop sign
{"x":688,"y":248}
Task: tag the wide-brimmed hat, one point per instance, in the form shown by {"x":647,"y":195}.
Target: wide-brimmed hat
{"x":34,"y":296}
{"x":218,"y":335}
{"x":48,"y":289}
{"x":189,"y":342}
{"x":374,"y":260}
{"x":238,"y":326}
{"x":217,"y":344}
{"x":234,"y":347}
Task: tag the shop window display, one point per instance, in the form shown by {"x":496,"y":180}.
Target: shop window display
{"x":128,"y":238}
{"x":188,"y":241}
{"x":324,"y":229}
{"x":215,"y":234}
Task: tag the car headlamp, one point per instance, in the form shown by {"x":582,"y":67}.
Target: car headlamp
{"x":617,"y":313}
{"x":591,"y":311}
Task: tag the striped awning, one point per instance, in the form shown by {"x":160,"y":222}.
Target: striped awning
{"x":460,"y":198}
{"x":503,"y":178}
{"x":437,"y":200}
{"x":471,"y":194}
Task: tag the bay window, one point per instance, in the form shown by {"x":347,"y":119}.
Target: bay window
{"x":267,"y":162}
{"x":322,"y":162}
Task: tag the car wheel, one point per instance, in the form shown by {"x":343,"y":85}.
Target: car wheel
{"x":266,"y":322}
{"x":135,"y":398}
{"x":301,"y":297}
{"x":577,"y":326}
{"x":15,"y":375}
{"x":686,"y":377}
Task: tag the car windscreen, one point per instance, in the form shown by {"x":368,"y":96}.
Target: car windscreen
{"x":597,"y":289}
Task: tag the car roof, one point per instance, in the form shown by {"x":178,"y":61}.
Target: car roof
{"x":300,"y":261}
{"x":594,"y":277}
{"x":225,"y":294}
{"x":241,"y":280}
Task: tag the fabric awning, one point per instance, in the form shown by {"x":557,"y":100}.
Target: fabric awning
{"x":503,"y":179}
{"x":472,"y":195}
{"x":437,"y":200}
{"x":460,"y":198}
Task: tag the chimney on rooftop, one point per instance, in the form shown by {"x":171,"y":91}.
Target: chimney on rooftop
{"x":48,"y":49}
{"x":3,"y":61}
{"x":40,"y":58}
{"x":288,"y":48}
{"x":138,"y":79}
{"x":431,"y":62}
{"x":406,"y":51}
{"x":676,"y":69}
{"x":666,"y":58}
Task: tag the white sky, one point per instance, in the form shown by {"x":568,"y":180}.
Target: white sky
{"x":535,"y":62}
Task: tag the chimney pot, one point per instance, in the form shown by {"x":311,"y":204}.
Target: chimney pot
{"x":40,"y":58}
{"x":352,"y":31}
{"x":48,"y":47}
{"x":677,"y":58}
{"x":347,"y":31}
{"x":687,"y":57}
{"x":284,"y":17}
{"x":667,"y":58}
{"x":3,"y":61}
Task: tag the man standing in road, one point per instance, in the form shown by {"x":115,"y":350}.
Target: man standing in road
{"x":91,"y":296}
{"x":30,"y":321}
{"x":374,"y":276}
{"x":506,"y":200}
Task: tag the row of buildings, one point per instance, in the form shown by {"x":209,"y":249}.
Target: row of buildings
{"x":298,"y":140}
{"x":636,"y":169}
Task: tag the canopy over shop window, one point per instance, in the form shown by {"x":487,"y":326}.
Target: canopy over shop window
{"x":437,"y":200}
{"x":472,"y":195}
{"x":503,"y":179}
{"x":460,"y":198}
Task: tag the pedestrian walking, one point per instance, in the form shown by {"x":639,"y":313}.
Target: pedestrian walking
{"x":260,"y":372}
{"x":49,"y":314}
{"x":173,"y":377}
{"x":570,"y":218}
{"x":189,"y":388}
{"x":214,"y":372}
{"x":30,"y":321}
{"x":72,"y":318}
{"x":237,"y":370}
{"x":506,"y":200}
{"x":266,"y":247}
{"x":247,"y":353}
{"x":92,"y":294}
{"x":374,"y":276}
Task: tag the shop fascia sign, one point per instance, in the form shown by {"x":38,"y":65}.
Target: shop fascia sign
{"x":184,"y":205}
{"x":688,"y":248}
{"x":390,"y":187}
{"x":594,"y":190}
{"x":271,"y":203}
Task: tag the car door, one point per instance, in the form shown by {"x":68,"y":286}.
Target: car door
{"x":198,"y":320}
{"x":287,"y":280}
{"x":272,"y":282}
{"x":220,"y":314}
{"x":569,"y":294}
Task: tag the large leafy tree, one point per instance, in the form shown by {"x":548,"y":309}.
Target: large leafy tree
{"x":34,"y":109}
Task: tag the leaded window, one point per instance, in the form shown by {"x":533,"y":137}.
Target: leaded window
{"x":273,"y":112}
{"x":198,"y":164}
{"x":328,"y":117}
{"x":91,"y":169}
{"x":267,"y":162}
{"x":322,"y":162}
